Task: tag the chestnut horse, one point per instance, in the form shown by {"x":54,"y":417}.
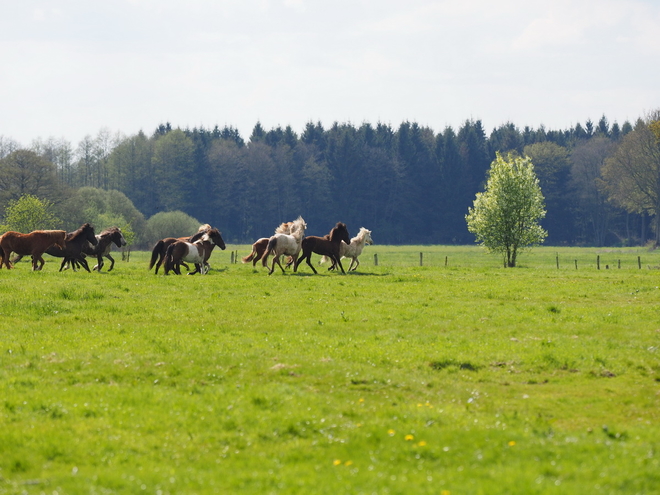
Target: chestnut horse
{"x":260,"y":246}
{"x":327,"y":246}
{"x":197,"y":252}
{"x":75,"y":241}
{"x":159,"y":250}
{"x":35,"y":244}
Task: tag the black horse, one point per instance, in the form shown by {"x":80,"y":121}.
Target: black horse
{"x":74,"y":243}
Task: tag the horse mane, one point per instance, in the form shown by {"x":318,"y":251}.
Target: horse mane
{"x":361,"y":234}
{"x":284,"y":228}
{"x":298,"y":227}
{"x":109,"y":231}
{"x":74,"y":235}
{"x":336,"y":229}
{"x":204,"y":228}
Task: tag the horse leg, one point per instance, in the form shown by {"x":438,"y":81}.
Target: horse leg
{"x":64,"y":262}
{"x":112,"y":262}
{"x":38,"y":259}
{"x":339,"y":263}
{"x":309,"y":261}
{"x":357,"y":263}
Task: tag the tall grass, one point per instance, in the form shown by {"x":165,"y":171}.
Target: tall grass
{"x":457,"y":378}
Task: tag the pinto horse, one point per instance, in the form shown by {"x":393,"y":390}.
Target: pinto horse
{"x":74,"y":243}
{"x":327,"y":246}
{"x":159,"y":250}
{"x":197,"y":252}
{"x":285,"y":244}
{"x":35,"y":244}
{"x":353,"y":249}
{"x":105,"y":240}
{"x":260,"y":246}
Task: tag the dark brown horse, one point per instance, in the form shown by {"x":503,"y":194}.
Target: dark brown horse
{"x":105,"y":240}
{"x":74,"y":243}
{"x":34,"y":244}
{"x":326,"y":246}
{"x":197,"y":252}
{"x":159,"y":250}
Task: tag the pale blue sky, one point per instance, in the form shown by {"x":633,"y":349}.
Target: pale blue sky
{"x":73,"y":67}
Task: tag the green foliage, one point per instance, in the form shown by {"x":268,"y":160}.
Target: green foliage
{"x":505,"y":217}
{"x":397,"y":379}
{"x":170,"y":224}
{"x":104,"y":209}
{"x":29,"y":213}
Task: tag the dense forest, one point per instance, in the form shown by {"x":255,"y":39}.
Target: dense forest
{"x":408,"y":184}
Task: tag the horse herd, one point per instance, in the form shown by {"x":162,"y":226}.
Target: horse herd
{"x":171,"y":253}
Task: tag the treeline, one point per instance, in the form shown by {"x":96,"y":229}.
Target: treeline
{"x":408,"y":184}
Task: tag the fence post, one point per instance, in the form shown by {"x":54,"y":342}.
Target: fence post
{"x":421,"y":259}
{"x":598,"y":261}
{"x":557,"y":261}
{"x":445,"y":260}
{"x":232,"y":258}
{"x":375,"y":259}
{"x":639,"y":262}
{"x":619,"y":263}
{"x":576,"y":264}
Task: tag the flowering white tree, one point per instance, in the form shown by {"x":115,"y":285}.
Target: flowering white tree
{"x":505,"y":216}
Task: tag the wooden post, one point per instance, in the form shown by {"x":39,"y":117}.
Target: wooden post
{"x":236,"y":257}
{"x":639,"y":262}
{"x":375,"y":259}
{"x":619,"y":263}
{"x":421,"y":259}
{"x":557,"y":261}
{"x":576,"y":264}
{"x":598,"y":261}
{"x":232,"y":258}
{"x":445,"y":260}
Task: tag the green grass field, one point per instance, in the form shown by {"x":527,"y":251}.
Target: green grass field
{"x":455,"y":377}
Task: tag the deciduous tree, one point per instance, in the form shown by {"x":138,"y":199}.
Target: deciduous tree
{"x":505,"y":216}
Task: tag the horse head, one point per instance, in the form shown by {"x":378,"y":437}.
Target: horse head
{"x":340,"y":233}
{"x":88,"y":232}
{"x":214,"y":236}
{"x":366,"y":235}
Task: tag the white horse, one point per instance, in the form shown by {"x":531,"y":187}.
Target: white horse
{"x":285,"y":244}
{"x":354,"y":249}
{"x":259,"y":247}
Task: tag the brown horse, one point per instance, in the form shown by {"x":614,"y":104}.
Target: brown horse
{"x":327,"y":246}
{"x":197,"y":252}
{"x":159,"y":250}
{"x":35,"y":244}
{"x":74,"y":243}
{"x":259,"y":247}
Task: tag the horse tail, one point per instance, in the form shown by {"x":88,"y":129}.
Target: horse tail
{"x":158,"y":250}
{"x":250,"y":256}
{"x":272,"y":244}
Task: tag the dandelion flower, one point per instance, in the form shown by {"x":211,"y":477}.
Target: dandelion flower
{"x":445,"y":492}
{"x":348,"y":463}
{"x":336,"y":462}
{"x":361,"y":399}
{"x":391,"y":432}
{"x":408,"y":438}
{"x":422,"y":443}
{"x":512,"y":443}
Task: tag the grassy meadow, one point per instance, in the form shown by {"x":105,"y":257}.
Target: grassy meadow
{"x":455,"y":377}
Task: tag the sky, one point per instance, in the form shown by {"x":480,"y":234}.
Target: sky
{"x":72,"y":68}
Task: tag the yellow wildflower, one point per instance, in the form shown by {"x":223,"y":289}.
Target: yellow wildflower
{"x":408,"y":438}
{"x":422,"y":443}
{"x":336,"y":462}
{"x":348,"y":463}
{"x":512,"y":443}
{"x":391,"y":432}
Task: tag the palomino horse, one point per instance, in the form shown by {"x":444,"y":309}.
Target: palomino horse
{"x":354,"y":249}
{"x":75,"y":241}
{"x":259,"y":247}
{"x":197,"y":252}
{"x":34,"y":244}
{"x":285,"y":244}
{"x":327,"y":246}
{"x":159,"y":250}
